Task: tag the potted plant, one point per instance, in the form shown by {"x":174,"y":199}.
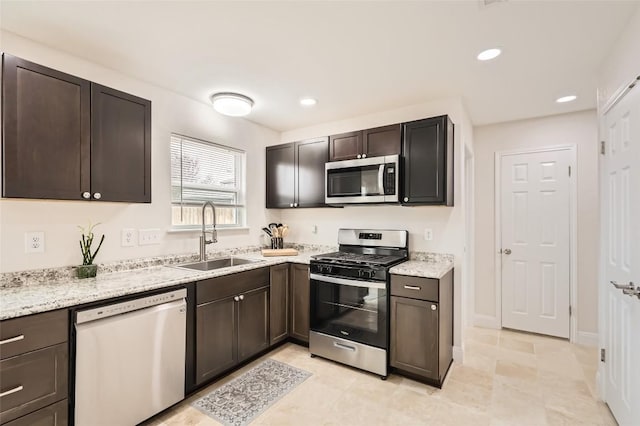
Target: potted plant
{"x":88,"y":269}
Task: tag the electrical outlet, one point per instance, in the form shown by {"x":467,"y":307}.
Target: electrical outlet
{"x":34,"y":242}
{"x":149,"y":236}
{"x":128,"y":237}
{"x":314,"y":229}
{"x":428,"y":234}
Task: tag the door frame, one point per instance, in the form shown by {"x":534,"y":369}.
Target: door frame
{"x":573,"y":231}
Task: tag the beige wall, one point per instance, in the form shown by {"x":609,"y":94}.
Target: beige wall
{"x":576,"y":128}
{"x":448,"y":223}
{"x":170,"y":113}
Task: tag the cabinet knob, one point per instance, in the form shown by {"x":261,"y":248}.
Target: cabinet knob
{"x":241,"y":297}
{"x":406,"y":199}
{"x":364,"y":155}
{"x":359,"y":156}
{"x":434,"y":307}
{"x":295,"y":204}
{"x":236,"y":298}
{"x":97,"y":195}
{"x":86,"y":195}
{"x":291,"y":205}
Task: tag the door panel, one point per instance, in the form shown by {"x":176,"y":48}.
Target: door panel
{"x":535,"y":228}
{"x":253,"y":323}
{"x":216,"y":338}
{"x":620,"y":177}
{"x":279,"y":303}
{"x":280,"y":176}
{"x":299,"y":278}
{"x":382,"y":141}
{"x":346,"y":146}
{"x":310,"y":159}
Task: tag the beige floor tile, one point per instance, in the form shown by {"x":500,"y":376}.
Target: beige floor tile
{"x":516,"y":371}
{"x":474,"y":376}
{"x":516,"y":344}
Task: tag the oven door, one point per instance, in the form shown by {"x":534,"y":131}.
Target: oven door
{"x":351,"y":309}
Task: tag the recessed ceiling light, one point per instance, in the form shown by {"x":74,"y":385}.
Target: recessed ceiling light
{"x":232,"y":104}
{"x":489,"y":54}
{"x":308,"y":101}
{"x":568,"y":98}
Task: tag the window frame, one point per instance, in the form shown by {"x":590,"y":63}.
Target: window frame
{"x":239,"y":190}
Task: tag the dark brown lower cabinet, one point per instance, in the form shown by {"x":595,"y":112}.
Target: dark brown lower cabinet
{"x":253,"y":323}
{"x":53,"y":415}
{"x":299,"y":277}
{"x":216,"y":338}
{"x":422,"y":327}
{"x":279,"y":303}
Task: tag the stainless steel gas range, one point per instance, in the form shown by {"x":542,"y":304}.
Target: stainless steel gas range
{"x":349,"y":308}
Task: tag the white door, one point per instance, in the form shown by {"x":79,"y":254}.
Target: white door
{"x":535,"y":234}
{"x":620,"y":198}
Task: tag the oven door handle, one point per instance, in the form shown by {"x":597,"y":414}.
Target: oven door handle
{"x":352,"y":283}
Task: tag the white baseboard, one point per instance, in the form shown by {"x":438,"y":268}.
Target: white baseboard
{"x":458,"y":354}
{"x":587,"y":338}
{"x":486,"y":321}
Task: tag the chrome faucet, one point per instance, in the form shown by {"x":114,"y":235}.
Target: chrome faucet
{"x":214,"y":234}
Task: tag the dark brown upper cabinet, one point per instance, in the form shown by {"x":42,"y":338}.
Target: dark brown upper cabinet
{"x":295,"y":174}
{"x":375,"y":142}
{"x":427,"y":150}
{"x":67,"y":138}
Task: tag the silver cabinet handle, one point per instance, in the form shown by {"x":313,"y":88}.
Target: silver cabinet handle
{"x":345,"y":347}
{"x":12,"y":339}
{"x":364,"y":155}
{"x":434,"y":307}
{"x":507,"y":251}
{"x":623,"y":287}
{"x":97,"y":195}
{"x":236,"y":298}
{"x":10,"y":391}
{"x":359,"y":156}
{"x":406,"y":199}
{"x":241,"y":297}
{"x":86,"y":195}
{"x":412,"y":287}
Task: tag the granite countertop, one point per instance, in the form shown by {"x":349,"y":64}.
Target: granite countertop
{"x":424,"y":268}
{"x":32,"y":298}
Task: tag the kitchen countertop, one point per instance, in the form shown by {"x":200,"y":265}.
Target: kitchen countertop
{"x":16,"y":301}
{"x":31,"y":298}
{"x":419,"y":268}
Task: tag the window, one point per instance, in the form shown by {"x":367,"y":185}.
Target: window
{"x":203,"y":171}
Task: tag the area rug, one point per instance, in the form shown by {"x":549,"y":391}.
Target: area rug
{"x":241,"y":400}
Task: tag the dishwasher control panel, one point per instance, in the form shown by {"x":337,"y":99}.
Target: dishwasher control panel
{"x":110,"y":310}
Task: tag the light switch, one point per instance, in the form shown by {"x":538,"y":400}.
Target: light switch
{"x":428,"y":234}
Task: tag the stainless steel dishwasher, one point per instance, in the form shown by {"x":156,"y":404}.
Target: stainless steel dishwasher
{"x":130,"y":359}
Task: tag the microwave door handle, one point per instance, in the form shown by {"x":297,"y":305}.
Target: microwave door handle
{"x":381,"y":179}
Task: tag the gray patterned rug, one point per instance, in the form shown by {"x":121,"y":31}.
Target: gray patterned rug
{"x":241,"y":400}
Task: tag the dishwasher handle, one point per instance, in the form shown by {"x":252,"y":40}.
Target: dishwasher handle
{"x":114,"y":309}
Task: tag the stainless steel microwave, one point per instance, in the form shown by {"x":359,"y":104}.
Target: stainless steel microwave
{"x":367,"y":180}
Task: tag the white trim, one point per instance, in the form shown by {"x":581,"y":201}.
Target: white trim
{"x":486,"y":321}
{"x":458,"y":354}
{"x":573,"y":232}
{"x":587,"y":338}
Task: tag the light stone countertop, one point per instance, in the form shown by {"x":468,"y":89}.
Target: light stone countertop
{"x":420,"y":268}
{"x":16,"y":301}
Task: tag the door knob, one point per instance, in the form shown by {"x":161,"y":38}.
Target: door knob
{"x":632,"y":292}
{"x":97,"y":195}
{"x":406,"y":199}
{"x":623,"y":287}
{"x":359,"y":156}
{"x":507,"y":251}
{"x":86,"y":195}
{"x":236,"y":298}
{"x":290,"y":204}
{"x":295,"y":204}
{"x":241,"y":297}
{"x":364,"y":155}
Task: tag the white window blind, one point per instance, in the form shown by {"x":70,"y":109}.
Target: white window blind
{"x":203,"y":171}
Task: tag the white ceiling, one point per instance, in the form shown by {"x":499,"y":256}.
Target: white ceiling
{"x":354,"y":57}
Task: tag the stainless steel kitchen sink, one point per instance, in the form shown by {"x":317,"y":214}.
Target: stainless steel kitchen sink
{"x":212,"y":264}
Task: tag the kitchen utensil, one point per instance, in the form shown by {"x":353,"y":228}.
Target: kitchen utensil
{"x":285,"y":230}
{"x":267,"y":231}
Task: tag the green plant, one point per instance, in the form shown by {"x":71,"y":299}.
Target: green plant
{"x":86,"y":242}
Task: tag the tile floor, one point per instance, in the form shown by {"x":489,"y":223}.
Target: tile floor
{"x":508,"y":378}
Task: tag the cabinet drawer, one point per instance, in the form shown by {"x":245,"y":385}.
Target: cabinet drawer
{"x":415,"y":287}
{"x":231,"y":285}
{"x":54,"y":415}
{"x":20,"y":335}
{"x":37,"y":378}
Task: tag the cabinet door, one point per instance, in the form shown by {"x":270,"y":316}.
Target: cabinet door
{"x":300,"y":301}
{"x":46,"y":132}
{"x":428,"y":161}
{"x":280,"y":176}
{"x":382,"y":141}
{"x":414,"y":336}
{"x":216,"y":338}
{"x":53,"y":415}
{"x":310,"y":159}
{"x":120,"y":146}
{"x":279,"y":303}
{"x":345,"y":146}
{"x":253,"y":323}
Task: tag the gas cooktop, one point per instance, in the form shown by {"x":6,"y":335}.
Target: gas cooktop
{"x":348,"y":258}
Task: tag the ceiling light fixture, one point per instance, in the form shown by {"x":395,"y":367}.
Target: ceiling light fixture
{"x":308,"y":101}
{"x":568,"y":98}
{"x":232,"y":104}
{"x":489,"y":54}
